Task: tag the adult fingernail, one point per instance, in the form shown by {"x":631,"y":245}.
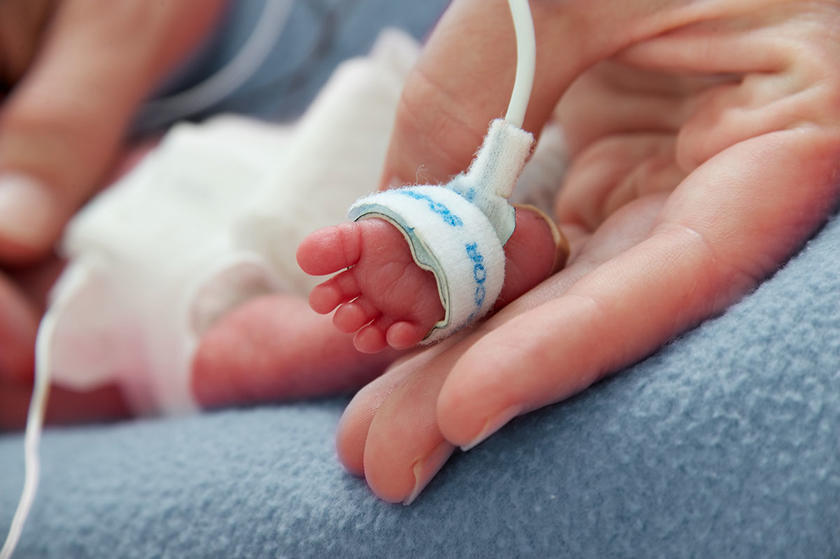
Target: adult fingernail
{"x":28,"y":211}
{"x":425,"y":468}
{"x":492,"y":425}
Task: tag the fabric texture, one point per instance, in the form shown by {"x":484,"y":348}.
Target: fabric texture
{"x":492,"y":175}
{"x":157,"y":265}
{"x":722,"y":444}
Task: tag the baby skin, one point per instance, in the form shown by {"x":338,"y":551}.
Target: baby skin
{"x":380,"y":293}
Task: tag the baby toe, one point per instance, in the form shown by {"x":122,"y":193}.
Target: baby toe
{"x":336,"y":290}
{"x":371,"y":338}
{"x":404,"y":334}
{"x":353,"y":315}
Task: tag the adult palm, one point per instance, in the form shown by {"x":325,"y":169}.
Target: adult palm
{"x":695,"y":173}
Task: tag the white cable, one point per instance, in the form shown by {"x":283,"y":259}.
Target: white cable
{"x":526,"y":55}
{"x":37,"y":409}
{"x":237,"y":71}
{"x":34,"y":424}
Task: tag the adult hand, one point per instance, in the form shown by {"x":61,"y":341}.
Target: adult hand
{"x":705,"y":144}
{"x":73,"y":72}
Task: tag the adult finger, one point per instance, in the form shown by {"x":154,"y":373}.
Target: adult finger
{"x":398,"y":467}
{"x":461,"y":82}
{"x":21,"y":23}
{"x":62,"y":124}
{"x":730,"y":223}
{"x":354,"y":427}
{"x":465,"y":75}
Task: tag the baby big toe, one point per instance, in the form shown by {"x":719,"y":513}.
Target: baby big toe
{"x":330,"y":249}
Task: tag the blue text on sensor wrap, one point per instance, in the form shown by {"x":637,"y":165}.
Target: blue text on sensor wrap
{"x":440,"y":209}
{"x":479,"y":273}
{"x":473,"y":252}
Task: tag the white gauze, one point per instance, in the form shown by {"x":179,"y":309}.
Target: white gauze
{"x":208,"y":219}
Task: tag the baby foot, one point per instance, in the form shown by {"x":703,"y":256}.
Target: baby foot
{"x":386,"y":299}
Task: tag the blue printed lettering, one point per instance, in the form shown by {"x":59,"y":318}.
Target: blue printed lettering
{"x":437,"y":207}
{"x":479,"y":273}
{"x":479,"y":295}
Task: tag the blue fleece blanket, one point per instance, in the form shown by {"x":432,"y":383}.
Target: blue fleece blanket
{"x":722,"y":444}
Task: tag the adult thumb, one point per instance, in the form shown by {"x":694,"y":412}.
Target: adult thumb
{"x":62,"y":125}
{"x":466,"y":72}
{"x":461,"y":82}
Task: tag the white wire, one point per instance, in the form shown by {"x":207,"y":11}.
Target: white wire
{"x":526,"y":55}
{"x":73,"y":279}
{"x":34,"y":426}
{"x":237,"y":71}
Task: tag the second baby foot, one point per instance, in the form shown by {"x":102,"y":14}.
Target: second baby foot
{"x":385,"y":298}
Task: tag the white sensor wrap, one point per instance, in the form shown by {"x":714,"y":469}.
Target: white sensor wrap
{"x":457,"y":231}
{"x":454,"y":240}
